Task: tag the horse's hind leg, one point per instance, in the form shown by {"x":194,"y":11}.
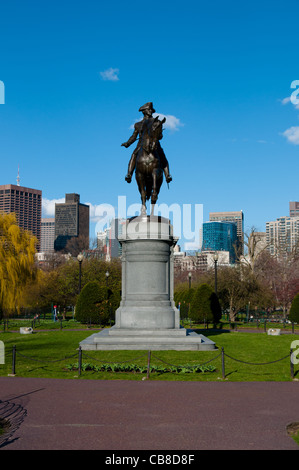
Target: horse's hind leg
{"x":154,"y":195}
{"x":155,"y":191}
{"x":141,"y":186}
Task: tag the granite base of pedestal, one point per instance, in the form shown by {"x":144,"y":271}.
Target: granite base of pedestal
{"x":177,"y":339}
{"x":147,"y":318}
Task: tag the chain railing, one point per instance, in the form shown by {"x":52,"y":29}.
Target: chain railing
{"x":150,"y":356}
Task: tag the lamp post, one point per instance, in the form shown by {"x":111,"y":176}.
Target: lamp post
{"x":189,"y":276}
{"x":80,"y":259}
{"x":107,"y":274}
{"x":215,"y":262}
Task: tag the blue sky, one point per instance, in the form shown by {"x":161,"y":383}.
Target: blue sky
{"x":76,"y":73}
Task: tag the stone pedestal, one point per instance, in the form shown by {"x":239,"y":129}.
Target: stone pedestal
{"x":147,"y":317}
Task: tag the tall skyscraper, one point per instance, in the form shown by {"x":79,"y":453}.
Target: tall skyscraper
{"x":71,"y":221}
{"x":282,"y":235}
{"x":220,"y":236}
{"x":26,"y":203}
{"x":294,"y":209}
{"x":47,"y":235}
{"x":236,"y":217}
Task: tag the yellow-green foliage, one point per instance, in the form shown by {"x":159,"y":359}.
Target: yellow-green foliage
{"x":17,"y":250}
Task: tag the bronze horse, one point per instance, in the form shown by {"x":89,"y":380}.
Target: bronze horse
{"x":148,"y":159}
{"x":149,"y":162}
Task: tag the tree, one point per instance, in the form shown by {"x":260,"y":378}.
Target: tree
{"x":205,"y":305}
{"x":92,"y":304}
{"x":17,"y":250}
{"x":294,"y":310}
{"x":76,"y":245}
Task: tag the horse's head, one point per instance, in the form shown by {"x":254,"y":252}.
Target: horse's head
{"x":157,"y":128}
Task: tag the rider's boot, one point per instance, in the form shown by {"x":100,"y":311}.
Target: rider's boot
{"x":168,"y":176}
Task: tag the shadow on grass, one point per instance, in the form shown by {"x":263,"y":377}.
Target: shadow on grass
{"x":209,"y":331}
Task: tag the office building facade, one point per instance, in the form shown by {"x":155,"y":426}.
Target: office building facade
{"x":47,"y":235}
{"x":116,"y":229}
{"x":282,"y":235}
{"x":236,"y":217}
{"x":71,"y":221}
{"x":26,"y":203}
{"x":294,"y":209}
{"x":220,"y":236}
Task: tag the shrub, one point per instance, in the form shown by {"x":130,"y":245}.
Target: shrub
{"x":92,"y":304}
{"x":294,"y":310}
{"x":205,"y":305}
{"x":185,"y":300}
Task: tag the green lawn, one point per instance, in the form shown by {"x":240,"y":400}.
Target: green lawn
{"x":49,"y":353}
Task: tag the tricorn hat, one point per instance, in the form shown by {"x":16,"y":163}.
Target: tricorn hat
{"x":147,"y":106}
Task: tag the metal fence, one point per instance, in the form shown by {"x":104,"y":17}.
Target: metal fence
{"x":149,"y":355}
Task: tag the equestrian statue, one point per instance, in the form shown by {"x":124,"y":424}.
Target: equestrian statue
{"x":148,"y":159}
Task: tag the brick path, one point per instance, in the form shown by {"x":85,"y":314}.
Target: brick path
{"x":80,"y":414}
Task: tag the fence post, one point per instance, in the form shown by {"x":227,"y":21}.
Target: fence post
{"x":13,"y":360}
{"x":291,"y":364}
{"x":148,"y":364}
{"x":223,"y":365}
{"x":80,"y":360}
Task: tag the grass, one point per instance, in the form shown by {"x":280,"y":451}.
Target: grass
{"x":50,"y":353}
{"x":42,"y":324}
{"x":293,"y":431}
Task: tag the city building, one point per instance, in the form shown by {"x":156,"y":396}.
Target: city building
{"x":238,"y":218}
{"x":103,"y":244}
{"x":71,"y":222}
{"x":116,"y":229}
{"x":220,"y":236}
{"x":282,"y":235}
{"x":26,"y":203}
{"x":47,"y":235}
{"x":200,"y":262}
{"x":294,"y":209}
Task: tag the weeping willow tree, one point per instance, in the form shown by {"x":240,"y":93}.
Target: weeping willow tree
{"x":17,"y":250}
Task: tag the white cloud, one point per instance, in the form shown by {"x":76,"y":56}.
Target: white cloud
{"x":292,"y":135}
{"x":48,"y":206}
{"x":97,"y":212}
{"x":287,"y":100}
{"x":172,"y":123}
{"x":110,"y":75}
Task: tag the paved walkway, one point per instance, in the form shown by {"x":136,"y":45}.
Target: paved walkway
{"x":80,"y":414}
